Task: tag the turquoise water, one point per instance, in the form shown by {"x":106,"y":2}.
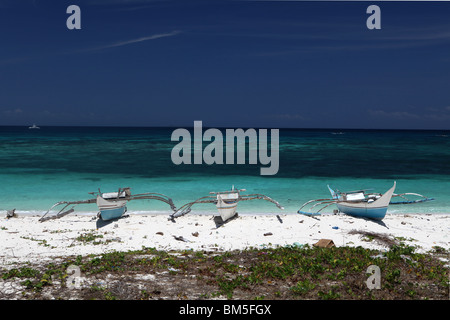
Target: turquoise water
{"x":41,"y":167}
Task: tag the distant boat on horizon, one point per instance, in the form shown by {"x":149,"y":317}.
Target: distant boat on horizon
{"x":34,"y":127}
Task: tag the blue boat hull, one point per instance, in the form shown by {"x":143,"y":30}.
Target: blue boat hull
{"x":371,"y":213}
{"x":109,"y":214}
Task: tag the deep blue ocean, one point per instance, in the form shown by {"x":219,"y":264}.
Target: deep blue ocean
{"x":41,"y":167}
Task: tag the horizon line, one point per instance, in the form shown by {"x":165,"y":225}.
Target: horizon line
{"x":223,"y":127}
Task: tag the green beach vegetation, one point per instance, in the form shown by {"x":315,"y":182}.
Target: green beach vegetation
{"x":289,"y":272}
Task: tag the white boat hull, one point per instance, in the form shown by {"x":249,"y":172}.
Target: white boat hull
{"x":111,"y":209}
{"x":227,"y":205}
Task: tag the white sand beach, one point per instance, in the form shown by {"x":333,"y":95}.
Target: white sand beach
{"x":25,"y":239}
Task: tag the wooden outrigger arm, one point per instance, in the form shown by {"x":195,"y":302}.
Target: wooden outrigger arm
{"x":63,"y":213}
{"x":152,"y":196}
{"x":407,"y":201}
{"x":123,"y":194}
{"x":186,"y":208}
{"x":320,"y":202}
{"x":258,"y":196}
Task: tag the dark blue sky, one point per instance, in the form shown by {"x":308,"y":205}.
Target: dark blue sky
{"x":228,"y":63}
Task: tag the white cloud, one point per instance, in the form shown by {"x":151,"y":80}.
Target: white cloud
{"x":13,"y":111}
{"x":127,"y":42}
{"x":97,"y":48}
{"x":435,"y":114}
{"x":286,"y":116}
{"x":394,"y":114}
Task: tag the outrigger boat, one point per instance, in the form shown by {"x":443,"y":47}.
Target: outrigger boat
{"x":360,"y":203}
{"x":111,"y":205}
{"x":225,"y":201}
{"x":362,"y":194}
